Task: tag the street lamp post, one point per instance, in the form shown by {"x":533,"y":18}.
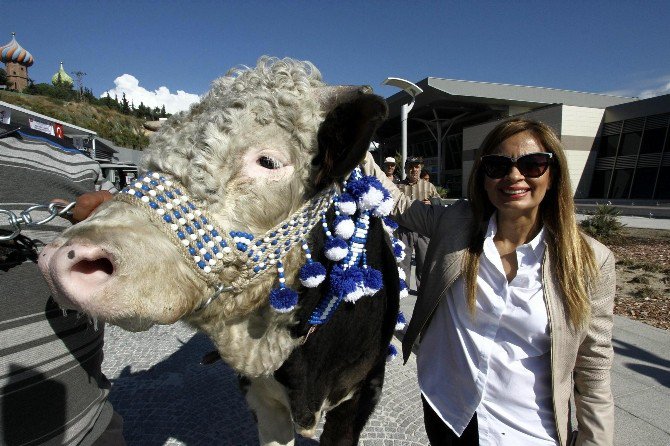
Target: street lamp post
{"x":413,"y":90}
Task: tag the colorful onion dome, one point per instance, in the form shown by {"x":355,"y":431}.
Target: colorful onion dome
{"x":64,"y":77}
{"x":13,"y":52}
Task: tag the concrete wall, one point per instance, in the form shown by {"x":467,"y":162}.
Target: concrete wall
{"x":579,"y":129}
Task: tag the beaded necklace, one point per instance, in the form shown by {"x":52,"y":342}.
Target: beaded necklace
{"x":208,"y":249}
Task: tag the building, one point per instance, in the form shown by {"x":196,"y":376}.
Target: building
{"x":632,"y":154}
{"x":451,"y":118}
{"x":16,"y":60}
{"x":118,"y":164}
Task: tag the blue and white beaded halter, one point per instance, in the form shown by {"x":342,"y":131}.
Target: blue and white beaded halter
{"x":208,"y":249}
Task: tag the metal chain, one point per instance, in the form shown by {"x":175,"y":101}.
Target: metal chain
{"x":25,"y":218}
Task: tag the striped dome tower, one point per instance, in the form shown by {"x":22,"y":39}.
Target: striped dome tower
{"x":17,"y":60}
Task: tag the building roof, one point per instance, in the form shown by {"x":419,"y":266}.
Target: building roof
{"x":13,"y":52}
{"x":645,"y":107}
{"x":523,"y":95}
{"x":462,"y":103}
{"x":21,"y":116}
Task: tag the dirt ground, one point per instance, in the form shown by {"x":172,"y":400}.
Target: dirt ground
{"x":643,"y":275}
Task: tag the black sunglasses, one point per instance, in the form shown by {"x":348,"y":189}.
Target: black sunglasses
{"x":532,"y":165}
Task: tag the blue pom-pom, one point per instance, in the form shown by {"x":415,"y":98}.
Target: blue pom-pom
{"x":390,"y":223}
{"x":345,"y":283}
{"x":312,"y":274}
{"x":392,"y":353}
{"x":283,"y":300}
{"x":404,"y":290}
{"x":401,"y":321}
{"x":368,"y":192}
{"x":372,"y":281}
{"x":344,"y":226}
{"x":399,"y":250}
{"x":336,"y":249}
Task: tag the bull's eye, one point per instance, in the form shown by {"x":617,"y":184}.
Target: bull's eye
{"x":269,"y":163}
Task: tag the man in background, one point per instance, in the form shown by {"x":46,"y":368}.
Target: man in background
{"x":389,"y":169}
{"x":417,"y":189}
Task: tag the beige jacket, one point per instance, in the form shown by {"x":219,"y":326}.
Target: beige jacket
{"x":580,"y":358}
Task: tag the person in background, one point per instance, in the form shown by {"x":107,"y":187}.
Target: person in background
{"x":415,"y":189}
{"x":52,"y":389}
{"x":389,"y":169}
{"x":514,"y":315}
{"x":425,"y":175}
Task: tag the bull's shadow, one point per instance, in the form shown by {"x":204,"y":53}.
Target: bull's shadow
{"x":180,"y":401}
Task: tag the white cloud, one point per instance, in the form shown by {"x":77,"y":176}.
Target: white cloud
{"x":657,"y":91}
{"x":128,"y":84}
{"x":646,"y":89}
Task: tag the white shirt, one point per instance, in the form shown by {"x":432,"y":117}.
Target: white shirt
{"x":498,"y":363}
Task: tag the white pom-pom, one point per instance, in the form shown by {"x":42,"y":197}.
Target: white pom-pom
{"x":384,"y":208}
{"x":313,"y":282}
{"x":354,"y":295}
{"x":348,"y":207}
{"x":336,"y":254}
{"x":345,"y":228}
{"x":371,"y":199}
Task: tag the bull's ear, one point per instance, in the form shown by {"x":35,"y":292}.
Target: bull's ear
{"x":345,"y":135}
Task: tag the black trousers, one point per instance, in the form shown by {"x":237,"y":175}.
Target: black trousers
{"x":439,"y":433}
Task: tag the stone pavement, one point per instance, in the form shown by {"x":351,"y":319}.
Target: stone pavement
{"x":167,"y":398}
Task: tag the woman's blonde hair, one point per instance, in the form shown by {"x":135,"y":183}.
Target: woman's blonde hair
{"x":574,"y":261}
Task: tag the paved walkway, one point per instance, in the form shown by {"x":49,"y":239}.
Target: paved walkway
{"x":167,"y":398}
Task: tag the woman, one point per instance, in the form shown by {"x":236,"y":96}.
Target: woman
{"x":515,"y":308}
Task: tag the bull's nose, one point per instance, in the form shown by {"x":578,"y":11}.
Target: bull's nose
{"x":76,"y":271}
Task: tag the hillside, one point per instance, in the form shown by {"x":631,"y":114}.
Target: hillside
{"x":124,"y":130}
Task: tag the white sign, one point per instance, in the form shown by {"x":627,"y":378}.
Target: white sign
{"x":41,"y":126}
{"x":5,"y":115}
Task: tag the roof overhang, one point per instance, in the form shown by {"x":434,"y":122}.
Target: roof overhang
{"x":470,"y":95}
{"x":21,"y":116}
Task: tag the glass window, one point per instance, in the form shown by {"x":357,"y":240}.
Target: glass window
{"x":608,"y":146}
{"x":621,"y":183}
{"x":652,"y":141}
{"x":630,"y":143}
{"x":643,"y":183}
{"x":600,"y":183}
{"x":663,"y":186}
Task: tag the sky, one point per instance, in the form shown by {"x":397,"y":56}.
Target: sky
{"x":168,"y":52}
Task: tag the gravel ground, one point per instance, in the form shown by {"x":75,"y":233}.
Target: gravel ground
{"x":643,"y":275}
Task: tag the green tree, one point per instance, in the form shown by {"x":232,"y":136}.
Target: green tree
{"x":125,"y":106}
{"x":3,"y":76}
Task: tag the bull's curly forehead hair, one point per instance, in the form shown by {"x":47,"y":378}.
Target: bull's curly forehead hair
{"x":283,"y":92}
{"x":274,"y":74}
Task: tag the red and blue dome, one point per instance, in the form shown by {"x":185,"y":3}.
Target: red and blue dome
{"x":13,"y":52}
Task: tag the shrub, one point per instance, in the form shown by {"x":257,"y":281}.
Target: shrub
{"x":604,"y":224}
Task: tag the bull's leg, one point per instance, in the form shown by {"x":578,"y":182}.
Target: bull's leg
{"x":345,"y":422}
{"x":268,"y":400}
